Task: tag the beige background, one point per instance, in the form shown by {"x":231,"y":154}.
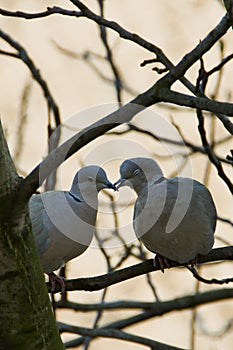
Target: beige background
{"x":175,"y":26}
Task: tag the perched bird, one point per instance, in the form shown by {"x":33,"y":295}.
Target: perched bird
{"x":174,"y":218}
{"x":63,"y":223}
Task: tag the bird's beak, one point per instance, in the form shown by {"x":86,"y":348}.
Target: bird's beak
{"x":110,"y":185}
{"x":120,"y":183}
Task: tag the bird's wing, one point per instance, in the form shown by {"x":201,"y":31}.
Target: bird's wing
{"x":149,"y":207}
{"x":39,"y":221}
{"x":62,"y":226}
{"x":206,"y":203}
{"x":177,"y":220}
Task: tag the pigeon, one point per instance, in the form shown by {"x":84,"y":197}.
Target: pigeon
{"x":173,"y":218}
{"x":63,"y":222}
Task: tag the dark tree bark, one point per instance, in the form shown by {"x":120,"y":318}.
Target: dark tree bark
{"x":26,"y":317}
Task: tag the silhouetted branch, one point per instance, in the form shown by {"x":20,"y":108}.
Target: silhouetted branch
{"x":103,"y":281}
{"x":227,"y":221}
{"x":210,"y":153}
{"x":116,"y":334}
{"x":194,"y":148}
{"x":89,"y":57}
{"x":50,"y":11}
{"x":151,"y":310}
{"x":109,"y":56}
{"x":159,"y":308}
{"x":22,"y":55}
{"x":204,"y":103}
{"x":209,"y":281}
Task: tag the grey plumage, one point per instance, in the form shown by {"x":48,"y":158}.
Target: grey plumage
{"x":174,"y":218}
{"x":63,"y":223}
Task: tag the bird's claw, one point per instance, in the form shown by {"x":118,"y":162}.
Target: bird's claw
{"x":193,"y":262}
{"x":161,"y":261}
{"x":53,"y":279}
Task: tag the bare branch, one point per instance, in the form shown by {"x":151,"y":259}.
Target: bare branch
{"x":117,"y":77}
{"x":116,"y":334}
{"x":204,"y":103}
{"x":220,"y":65}
{"x":178,"y":304}
{"x":52,"y":106}
{"x":160,"y":307}
{"x":10,"y":54}
{"x":184,"y":64}
{"x":210,"y":153}
{"x":159,"y":92}
{"x":103,"y":281}
{"x":230,"y":157}
{"x":146,"y":62}
{"x":22,"y":55}
{"x":194,"y":148}
{"x":123,"y":33}
{"x":193,"y":56}
{"x":88,"y":134}
{"x":50,"y":11}
{"x":207,"y":281}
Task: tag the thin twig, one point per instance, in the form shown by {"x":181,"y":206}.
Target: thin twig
{"x":50,"y":11}
{"x":207,"y":281}
{"x":194,"y":148}
{"x":210,"y":152}
{"x":23,"y":55}
{"x":227,"y":221}
{"x":109,"y":56}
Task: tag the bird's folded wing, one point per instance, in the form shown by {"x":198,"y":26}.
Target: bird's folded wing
{"x":38,"y":220}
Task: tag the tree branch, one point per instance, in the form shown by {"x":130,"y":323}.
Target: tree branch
{"x":99,"y":282}
{"x":194,"y":148}
{"x":22,"y":55}
{"x":194,"y":55}
{"x":114,"y":333}
{"x":204,"y":103}
{"x":159,"y":308}
{"x":123,"y":115}
{"x":123,"y":33}
{"x":126,"y":113}
{"x":210,"y":153}
{"x":227,"y":221}
{"x":109,"y":56}
{"x":209,"y":281}
{"x":50,"y":11}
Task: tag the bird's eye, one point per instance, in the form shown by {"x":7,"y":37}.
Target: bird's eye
{"x":136,"y":172}
{"x":90,"y":179}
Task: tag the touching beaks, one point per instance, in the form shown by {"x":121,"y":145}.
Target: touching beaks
{"x":119,"y":182}
{"x":112,"y":186}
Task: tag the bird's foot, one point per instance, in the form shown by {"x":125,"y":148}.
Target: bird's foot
{"x":161,"y":261}
{"x":193,"y":262}
{"x":53,"y":279}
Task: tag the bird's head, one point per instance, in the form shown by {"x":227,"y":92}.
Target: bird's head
{"x":138,"y":172}
{"x":90,"y":178}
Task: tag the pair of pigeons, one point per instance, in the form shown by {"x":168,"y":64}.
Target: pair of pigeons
{"x":174,"y":218}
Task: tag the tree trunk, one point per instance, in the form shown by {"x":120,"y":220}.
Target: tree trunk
{"x":26,"y":317}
